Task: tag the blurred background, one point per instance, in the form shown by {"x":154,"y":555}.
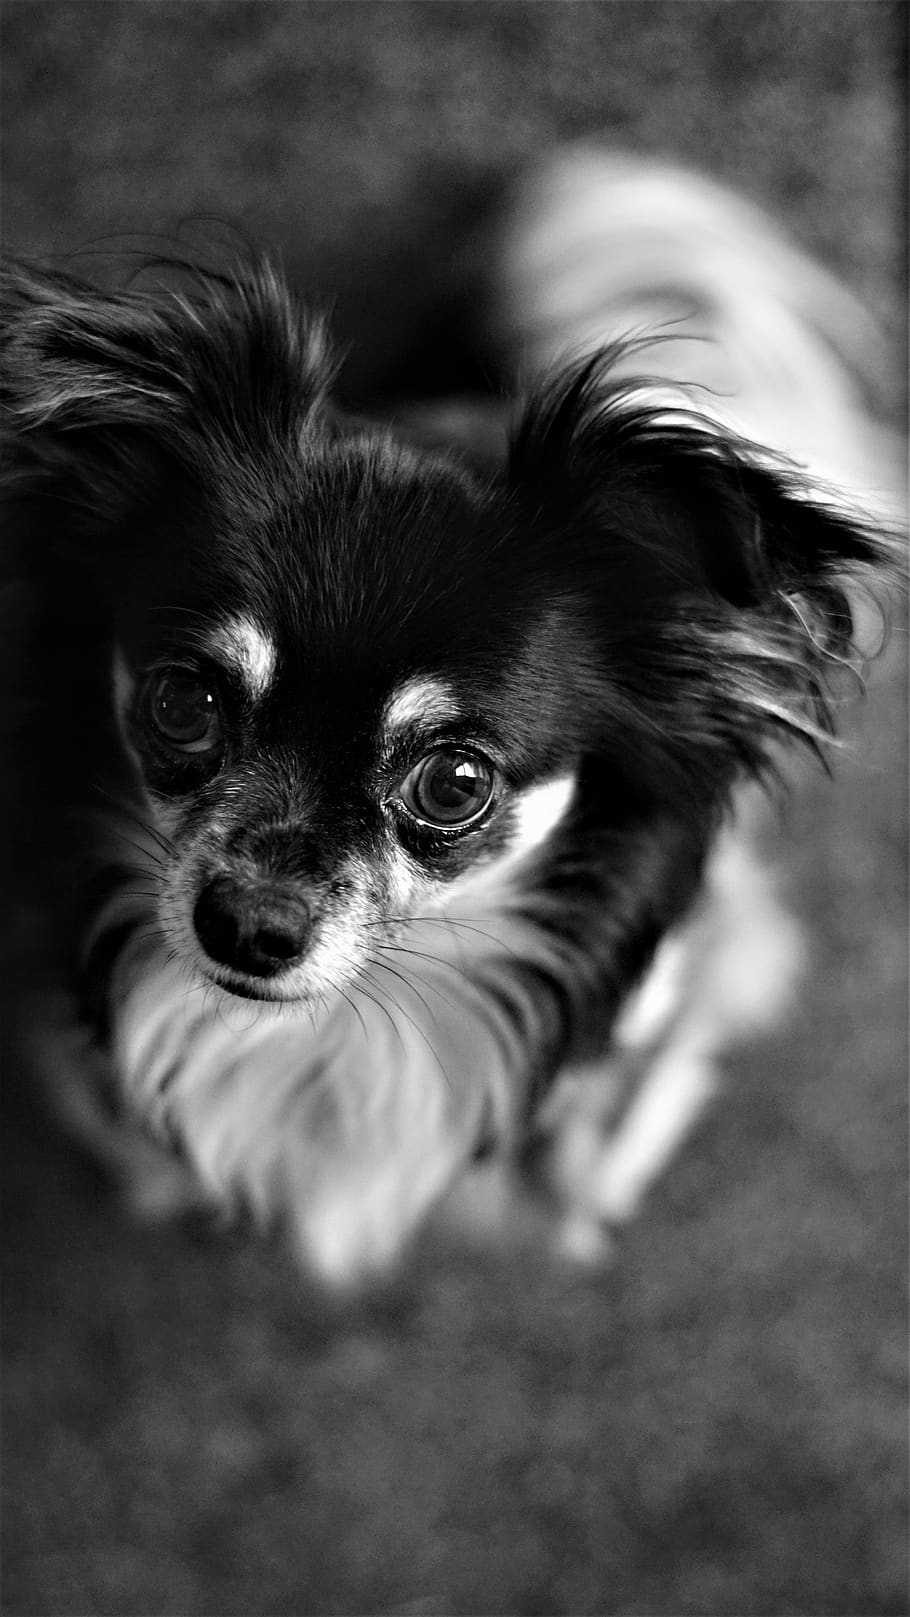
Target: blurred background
{"x":718,"y":1425}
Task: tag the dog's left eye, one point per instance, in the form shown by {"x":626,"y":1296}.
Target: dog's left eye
{"x":449,"y":788}
{"x":184,"y":710}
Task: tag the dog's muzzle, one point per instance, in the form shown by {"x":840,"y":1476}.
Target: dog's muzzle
{"x":254,"y":926}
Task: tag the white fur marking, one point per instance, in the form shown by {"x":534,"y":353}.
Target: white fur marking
{"x":420,"y":701}
{"x":345,"y":1127}
{"x":539,"y":810}
{"x":249,"y":650}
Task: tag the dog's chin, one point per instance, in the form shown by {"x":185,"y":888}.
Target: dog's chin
{"x":239,"y":985}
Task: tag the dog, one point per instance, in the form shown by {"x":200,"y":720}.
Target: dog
{"x":386,"y":826}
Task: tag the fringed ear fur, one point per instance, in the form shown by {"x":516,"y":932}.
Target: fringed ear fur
{"x":74,"y":357}
{"x":728,"y":586}
{"x":222,"y":357}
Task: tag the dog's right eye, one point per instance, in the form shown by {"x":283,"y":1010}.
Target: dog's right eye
{"x":449,"y":789}
{"x":183,"y":710}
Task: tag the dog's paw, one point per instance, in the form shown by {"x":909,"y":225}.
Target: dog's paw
{"x":584,"y":1240}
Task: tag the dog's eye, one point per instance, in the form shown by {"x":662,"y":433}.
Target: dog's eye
{"x":449,"y":788}
{"x":183,"y":710}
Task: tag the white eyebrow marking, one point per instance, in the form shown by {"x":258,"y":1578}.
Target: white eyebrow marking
{"x":425,"y":701}
{"x":538,"y":811}
{"x":249,"y":650}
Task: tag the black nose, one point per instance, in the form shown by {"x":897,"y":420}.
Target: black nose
{"x":255,"y":926}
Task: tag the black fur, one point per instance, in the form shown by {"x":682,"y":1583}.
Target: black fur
{"x":630,"y":594}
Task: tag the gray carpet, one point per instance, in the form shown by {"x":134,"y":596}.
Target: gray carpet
{"x":717,"y":1426}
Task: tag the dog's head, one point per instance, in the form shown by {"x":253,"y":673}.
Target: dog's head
{"x":343,"y":704}
{"x":355,"y":678}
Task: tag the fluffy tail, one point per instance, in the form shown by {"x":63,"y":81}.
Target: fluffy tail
{"x":593,"y":247}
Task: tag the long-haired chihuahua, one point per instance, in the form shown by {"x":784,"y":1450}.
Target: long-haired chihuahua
{"x":383,"y":806}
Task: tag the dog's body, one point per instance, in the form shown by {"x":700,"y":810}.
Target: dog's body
{"x":392,"y":788}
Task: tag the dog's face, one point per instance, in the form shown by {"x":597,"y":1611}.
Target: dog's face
{"x":343,"y":711}
{"x":355,"y":680}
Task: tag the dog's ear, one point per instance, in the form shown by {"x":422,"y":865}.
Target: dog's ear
{"x":222,"y":358}
{"x":728,"y":587}
{"x":77,"y":360}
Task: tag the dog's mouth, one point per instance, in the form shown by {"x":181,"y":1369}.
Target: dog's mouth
{"x":287,"y":987}
{"x":248,"y":988}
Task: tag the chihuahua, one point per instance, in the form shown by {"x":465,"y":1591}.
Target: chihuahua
{"x":384,"y":820}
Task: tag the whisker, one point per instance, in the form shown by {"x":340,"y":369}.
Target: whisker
{"x":131,"y":813}
{"x":357,"y":987}
{"x":415,"y":1025}
{"x":148,"y":855}
{"x":424,"y":954}
{"x":128,"y":889}
{"x":151,"y":934}
{"x":424,"y":981}
{"x":350,"y":1003}
{"x":453,"y":921}
{"x":408,"y":983}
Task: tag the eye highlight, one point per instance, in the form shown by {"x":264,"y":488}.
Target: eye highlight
{"x":449,"y":788}
{"x":182,"y":709}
